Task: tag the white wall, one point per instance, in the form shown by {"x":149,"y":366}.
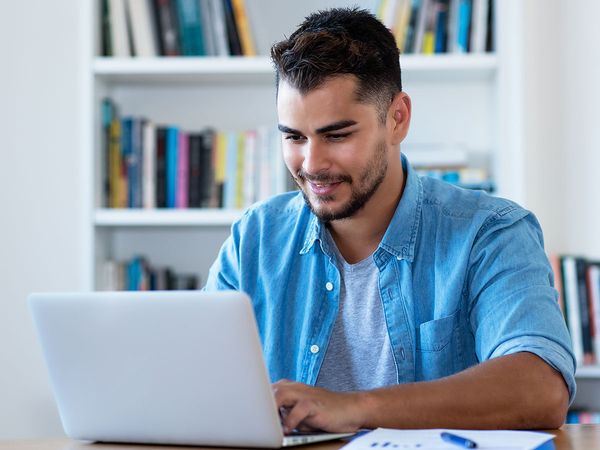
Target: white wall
{"x":40,"y":219}
{"x":580,"y":115}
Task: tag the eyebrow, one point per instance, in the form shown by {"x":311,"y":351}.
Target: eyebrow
{"x":326,"y":129}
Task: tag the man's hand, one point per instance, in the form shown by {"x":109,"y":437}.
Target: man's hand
{"x":309,"y":408}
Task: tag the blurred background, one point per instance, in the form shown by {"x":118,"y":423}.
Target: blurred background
{"x":517,"y":117}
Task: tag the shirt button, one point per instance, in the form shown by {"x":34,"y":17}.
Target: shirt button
{"x":329,"y":286}
{"x":314,"y":349}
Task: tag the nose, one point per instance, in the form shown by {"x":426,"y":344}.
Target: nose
{"x":316,"y":158}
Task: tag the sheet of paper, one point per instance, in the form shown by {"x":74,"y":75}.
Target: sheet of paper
{"x":389,"y":439}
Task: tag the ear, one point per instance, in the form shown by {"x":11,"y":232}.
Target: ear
{"x":399,"y":117}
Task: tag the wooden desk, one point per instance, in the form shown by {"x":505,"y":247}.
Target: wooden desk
{"x":569,"y":437}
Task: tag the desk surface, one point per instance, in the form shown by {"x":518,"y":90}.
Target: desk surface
{"x":569,"y":437}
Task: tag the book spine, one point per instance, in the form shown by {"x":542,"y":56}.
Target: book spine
{"x":441,"y":27}
{"x":182,"y":171}
{"x":128,"y":158}
{"x":243,"y":27}
{"x":142,"y":31}
{"x":168,"y":27}
{"x":118,"y":26}
{"x":161,"y":167}
{"x":208,"y":31}
{"x":593,"y":284}
{"x":107,"y":118}
{"x":149,"y":165}
{"x":239,"y":170}
{"x":219,"y":25}
{"x":190,"y":28}
{"x":421,"y":24}
{"x":106,"y":29}
{"x":138,"y":147}
{"x":207,"y":172}
{"x":195,"y":156}
{"x":171,"y":161}
{"x":586,"y":334}
{"x":573,"y":305}
{"x":479,"y":20}
{"x":401,"y":26}
{"x":464,"y":25}
{"x":233,"y":37}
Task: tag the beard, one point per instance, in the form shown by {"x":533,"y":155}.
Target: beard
{"x":361,"y":190}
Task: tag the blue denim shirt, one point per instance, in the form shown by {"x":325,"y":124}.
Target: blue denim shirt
{"x":463,"y":278}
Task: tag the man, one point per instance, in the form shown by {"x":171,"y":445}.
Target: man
{"x":382,"y":298}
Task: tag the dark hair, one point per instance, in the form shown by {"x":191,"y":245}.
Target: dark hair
{"x":341,"y":41}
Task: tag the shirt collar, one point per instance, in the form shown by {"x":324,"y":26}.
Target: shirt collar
{"x":401,"y":235}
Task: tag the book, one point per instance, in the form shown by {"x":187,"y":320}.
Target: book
{"x":479,"y":25}
{"x":220,"y":167}
{"x":593,"y":289}
{"x":161,"y":167}
{"x":142,"y":28}
{"x":425,"y":10}
{"x":243,"y":27}
{"x":233,"y":38}
{"x":208,"y":32}
{"x":119,"y":35}
{"x":165,"y":17}
{"x":217,"y":9}
{"x":149,"y":165}
{"x":207,"y":170}
{"x":171,"y":152}
{"x":464,"y":26}
{"x":195,"y":170}
{"x":584,"y":311}
{"x":108,"y":114}
{"x":403,"y":15}
{"x":441,"y":30}
{"x":572,"y":304}
{"x":190,"y":28}
{"x":106,"y":29}
{"x":556,"y":269}
{"x":181,"y":196}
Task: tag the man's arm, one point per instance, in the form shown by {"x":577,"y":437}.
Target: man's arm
{"x":517,"y":391}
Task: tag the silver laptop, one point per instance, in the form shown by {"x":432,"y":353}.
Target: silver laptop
{"x":160,"y":367}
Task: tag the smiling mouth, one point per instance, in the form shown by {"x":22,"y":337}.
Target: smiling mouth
{"x":323,"y":188}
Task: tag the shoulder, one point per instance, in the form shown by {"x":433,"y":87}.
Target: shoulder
{"x":451,"y":202}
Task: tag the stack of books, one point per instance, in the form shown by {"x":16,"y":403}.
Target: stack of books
{"x":453,"y":164}
{"x":577,"y":281}
{"x":152,"y":166}
{"x":150,"y":28}
{"x":440,"y":26}
{"x":137,"y":274}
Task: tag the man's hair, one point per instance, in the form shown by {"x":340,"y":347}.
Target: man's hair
{"x":341,"y":41}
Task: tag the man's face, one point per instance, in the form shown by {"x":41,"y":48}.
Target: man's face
{"x":334,"y":146}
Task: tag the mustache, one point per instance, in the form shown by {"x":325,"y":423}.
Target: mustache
{"x":322,"y":177}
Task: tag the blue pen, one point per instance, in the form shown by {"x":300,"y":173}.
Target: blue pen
{"x":458,"y":440}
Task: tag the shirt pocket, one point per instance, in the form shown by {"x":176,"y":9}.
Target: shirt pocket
{"x":437,"y":349}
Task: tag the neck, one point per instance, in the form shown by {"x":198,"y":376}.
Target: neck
{"x":357,"y":237}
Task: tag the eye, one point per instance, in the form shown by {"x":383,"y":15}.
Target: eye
{"x":294,"y":138}
{"x":337,"y":137}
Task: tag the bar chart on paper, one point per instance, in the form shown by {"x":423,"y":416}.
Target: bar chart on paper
{"x":388,"y":439}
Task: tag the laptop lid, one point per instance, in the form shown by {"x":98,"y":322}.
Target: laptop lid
{"x":157,"y":367}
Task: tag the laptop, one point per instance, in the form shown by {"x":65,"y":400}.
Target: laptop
{"x":181,"y":367}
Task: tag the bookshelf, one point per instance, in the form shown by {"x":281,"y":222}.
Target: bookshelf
{"x":472,"y":99}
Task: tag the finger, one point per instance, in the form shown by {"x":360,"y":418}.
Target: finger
{"x":301,"y":411}
{"x":286,"y":395}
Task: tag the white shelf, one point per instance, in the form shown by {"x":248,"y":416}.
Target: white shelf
{"x":165,"y":218}
{"x":259,"y":69}
{"x":588,"y":372}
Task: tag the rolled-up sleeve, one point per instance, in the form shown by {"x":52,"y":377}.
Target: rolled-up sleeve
{"x":513,"y":304}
